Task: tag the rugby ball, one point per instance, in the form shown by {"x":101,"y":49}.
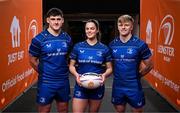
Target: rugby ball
{"x":90,"y":80}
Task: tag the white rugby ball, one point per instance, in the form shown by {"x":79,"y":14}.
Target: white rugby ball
{"x":90,"y":80}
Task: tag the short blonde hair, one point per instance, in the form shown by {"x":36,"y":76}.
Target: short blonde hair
{"x":125,"y":18}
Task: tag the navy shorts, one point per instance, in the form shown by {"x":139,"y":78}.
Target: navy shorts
{"x":133,"y":97}
{"x":46,"y":93}
{"x":84,"y":93}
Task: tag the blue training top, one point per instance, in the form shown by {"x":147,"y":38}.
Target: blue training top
{"x":126,"y":60}
{"x":90,"y":58}
{"x":52,"y":53}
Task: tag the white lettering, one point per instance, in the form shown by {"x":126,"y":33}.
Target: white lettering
{"x":171,"y":84}
{"x":57,"y":54}
{"x":8,"y":84}
{"x":20,"y":55}
{"x":17,"y":78}
{"x":28,"y":72}
{"x":90,"y":61}
{"x":165,"y":80}
{"x":13,"y":57}
{"x":166,"y":50}
{"x":167,"y":59}
{"x":20,"y":77}
{"x":125,"y":60}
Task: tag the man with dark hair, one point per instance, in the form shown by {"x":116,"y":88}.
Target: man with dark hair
{"x":48,"y":56}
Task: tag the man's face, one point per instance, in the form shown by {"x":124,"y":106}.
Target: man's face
{"x":125,"y":28}
{"x":55,"y":22}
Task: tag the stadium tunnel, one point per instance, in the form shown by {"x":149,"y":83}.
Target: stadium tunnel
{"x":106,"y":12}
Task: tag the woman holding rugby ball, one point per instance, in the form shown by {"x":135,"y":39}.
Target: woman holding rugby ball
{"x":90,"y":55}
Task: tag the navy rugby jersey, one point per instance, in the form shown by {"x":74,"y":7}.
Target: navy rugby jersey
{"x":52,"y":53}
{"x":90,"y":58}
{"x":126,"y":60}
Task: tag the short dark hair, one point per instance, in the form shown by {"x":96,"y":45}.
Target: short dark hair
{"x":54,"y":12}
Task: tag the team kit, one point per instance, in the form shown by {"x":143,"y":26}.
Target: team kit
{"x":91,"y":62}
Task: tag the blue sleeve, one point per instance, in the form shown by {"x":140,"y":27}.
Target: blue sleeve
{"x":35,"y":47}
{"x":145,"y":52}
{"x":110,"y":50}
{"x":69,"y":40}
{"x":108,"y":55}
{"x":74,"y":53}
{"x":70,"y":44}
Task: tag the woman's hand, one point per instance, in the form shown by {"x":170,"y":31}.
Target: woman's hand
{"x":103,"y":79}
{"x":78,"y":80}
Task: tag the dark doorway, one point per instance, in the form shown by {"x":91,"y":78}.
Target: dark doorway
{"x":106,"y":12}
{"x":77,"y":32}
{"x":107,"y":31}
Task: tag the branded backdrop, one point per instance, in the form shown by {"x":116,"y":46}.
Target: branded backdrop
{"x":160,"y":25}
{"x":20,"y":21}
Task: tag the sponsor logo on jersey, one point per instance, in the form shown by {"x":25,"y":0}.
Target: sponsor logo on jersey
{"x":48,"y":45}
{"x":58,"y":53}
{"x":81,"y":51}
{"x":114,"y":50}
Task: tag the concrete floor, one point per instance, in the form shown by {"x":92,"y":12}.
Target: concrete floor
{"x":154,"y":102}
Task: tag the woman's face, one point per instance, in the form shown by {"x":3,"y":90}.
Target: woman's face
{"x":91,"y":30}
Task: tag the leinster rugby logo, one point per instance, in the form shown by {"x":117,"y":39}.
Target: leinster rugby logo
{"x":99,"y":53}
{"x":165,"y":38}
{"x":129,"y":50}
{"x":64,"y":44}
